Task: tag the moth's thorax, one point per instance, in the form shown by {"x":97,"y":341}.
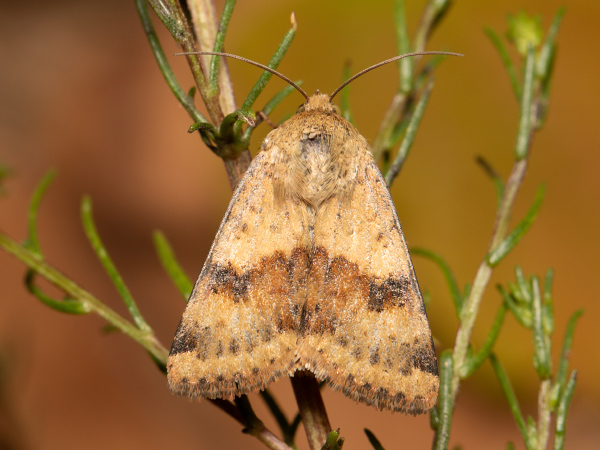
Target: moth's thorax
{"x":315,"y":154}
{"x":318,"y":102}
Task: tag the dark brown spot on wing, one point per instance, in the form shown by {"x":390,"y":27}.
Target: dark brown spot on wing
{"x":374,"y":356}
{"x":233,"y":347}
{"x":391,"y":293}
{"x":276,"y":274}
{"x":185,"y":340}
{"x":225,"y":279}
{"x":423,"y":357}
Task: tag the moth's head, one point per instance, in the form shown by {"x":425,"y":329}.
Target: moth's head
{"x":319,"y":102}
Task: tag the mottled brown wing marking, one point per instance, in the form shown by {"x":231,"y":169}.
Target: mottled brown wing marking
{"x":239,"y":330}
{"x":365,"y":329}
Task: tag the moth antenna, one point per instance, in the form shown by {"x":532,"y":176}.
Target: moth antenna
{"x":387,"y":61}
{"x":249,"y":61}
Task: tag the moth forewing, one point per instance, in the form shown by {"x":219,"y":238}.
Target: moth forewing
{"x":309,"y":270}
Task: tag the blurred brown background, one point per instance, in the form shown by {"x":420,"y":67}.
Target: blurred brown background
{"x":80,"y":92}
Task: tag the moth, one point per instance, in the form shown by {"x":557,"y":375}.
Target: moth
{"x":309,"y":271}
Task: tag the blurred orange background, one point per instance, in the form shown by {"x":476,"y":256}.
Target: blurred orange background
{"x":80,"y":92}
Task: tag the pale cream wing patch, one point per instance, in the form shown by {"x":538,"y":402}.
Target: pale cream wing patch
{"x":239,"y":330}
{"x":364,"y":324}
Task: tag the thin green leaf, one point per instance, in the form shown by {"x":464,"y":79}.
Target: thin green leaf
{"x":405,"y":65}
{"x":546,"y":54}
{"x":94,"y":239}
{"x":171,"y":265}
{"x":333,"y":441}
{"x":373,"y":440}
{"x":508,"y":64}
{"x":502,"y":249}
{"x":545,"y":67}
{"x":273,"y":64}
{"x":541,"y":357}
{"x":279,"y":97}
{"x":494,"y":176}
{"x":474,"y":362}
{"x":409,"y":137}
{"x":457,"y":298}
{"x":433,"y":13}
{"x":32,"y":241}
{"x":522,"y":291}
{"x":445,"y":401}
{"x":68,"y":305}
{"x":34,"y":261}
{"x":526,"y":119}
{"x":187,"y":101}
{"x":561,"y":413}
{"x":563,"y":362}
{"x":523,"y":315}
{"x":218,"y":47}
{"x":398,"y":131}
{"x":425,"y":72}
{"x":270,"y":107}
{"x":233,"y":121}
{"x":548,"y":304}
{"x":203,"y":126}
{"x":512,"y":399}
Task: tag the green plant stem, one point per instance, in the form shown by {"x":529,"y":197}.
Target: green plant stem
{"x":473,"y":363}
{"x":146,"y":339}
{"x":484,"y":272}
{"x":204,"y":21}
{"x":311,"y":408}
{"x":203,"y":15}
{"x":526,"y":122}
{"x":445,"y":405}
{"x":544,"y":414}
